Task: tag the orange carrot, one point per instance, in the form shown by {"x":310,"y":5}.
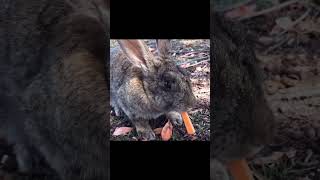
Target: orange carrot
{"x":240,"y":170}
{"x":188,"y":123}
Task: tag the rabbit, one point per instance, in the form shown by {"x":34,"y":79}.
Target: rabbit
{"x":144,"y":86}
{"x":54,"y":86}
{"x":243,"y":121}
{"x":218,"y":171}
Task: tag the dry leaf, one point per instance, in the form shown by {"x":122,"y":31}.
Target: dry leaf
{"x":122,"y":131}
{"x":166,"y":132}
{"x":284,"y":22}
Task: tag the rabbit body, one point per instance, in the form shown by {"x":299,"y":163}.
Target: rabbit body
{"x":144,"y":86}
{"x":242,"y":121}
{"x":53,"y":85}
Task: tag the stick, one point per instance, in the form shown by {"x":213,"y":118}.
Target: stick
{"x":194,"y":60}
{"x":196,"y":63}
{"x":277,"y":45}
{"x":278,"y":7}
{"x":233,"y":6}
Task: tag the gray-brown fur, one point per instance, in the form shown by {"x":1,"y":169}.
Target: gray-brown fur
{"x":242,"y":121}
{"x":147,"y":86}
{"x":53,"y":85}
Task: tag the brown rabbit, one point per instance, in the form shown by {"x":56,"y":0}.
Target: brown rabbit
{"x":242,"y":120}
{"x":53,"y":85}
{"x":144,"y":86}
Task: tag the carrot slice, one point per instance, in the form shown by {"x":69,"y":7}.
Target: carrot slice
{"x":240,"y":170}
{"x":188,"y":123}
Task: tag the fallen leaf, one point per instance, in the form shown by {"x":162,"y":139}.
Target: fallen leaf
{"x":166,"y":132}
{"x":284,"y":22}
{"x":122,"y":131}
{"x":198,"y":68}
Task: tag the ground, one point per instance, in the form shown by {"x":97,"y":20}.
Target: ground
{"x":287,"y":46}
{"x":193,"y":55}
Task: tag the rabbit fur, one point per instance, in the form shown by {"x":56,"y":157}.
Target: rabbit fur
{"x":144,"y":86}
{"x":54,"y":85}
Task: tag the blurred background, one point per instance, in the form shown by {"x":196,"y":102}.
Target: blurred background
{"x":286,"y":38}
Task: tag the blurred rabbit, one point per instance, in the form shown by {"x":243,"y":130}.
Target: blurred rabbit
{"x":242,"y":120}
{"x":144,"y":86}
{"x":53,"y":85}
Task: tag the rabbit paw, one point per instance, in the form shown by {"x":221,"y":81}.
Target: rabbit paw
{"x":146,"y":134}
{"x":144,"y":130}
{"x":175,"y":118}
{"x":115,"y":111}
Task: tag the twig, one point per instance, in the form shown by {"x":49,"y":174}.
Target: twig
{"x":309,"y":155}
{"x":312,"y":5}
{"x":278,"y":7}
{"x":301,"y":18}
{"x":301,"y":171}
{"x":196,"y":63}
{"x":233,"y":6}
{"x":276,"y":46}
{"x":193,"y":60}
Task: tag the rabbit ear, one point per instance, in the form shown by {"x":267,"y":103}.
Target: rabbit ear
{"x":163,"y":46}
{"x":138,"y":53}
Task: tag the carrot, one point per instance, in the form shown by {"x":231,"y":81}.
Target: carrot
{"x":188,"y":123}
{"x":240,"y":170}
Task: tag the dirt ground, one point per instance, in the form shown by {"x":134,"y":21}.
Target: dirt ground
{"x":193,"y":55}
{"x":287,"y":43}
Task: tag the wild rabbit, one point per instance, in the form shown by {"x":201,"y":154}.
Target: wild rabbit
{"x":144,"y":86}
{"x":242,"y":120}
{"x":53,"y":85}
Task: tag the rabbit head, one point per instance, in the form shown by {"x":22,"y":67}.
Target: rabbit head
{"x":167,"y":85}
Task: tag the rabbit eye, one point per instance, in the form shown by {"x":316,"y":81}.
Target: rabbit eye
{"x":169,"y":81}
{"x":167,"y":85}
